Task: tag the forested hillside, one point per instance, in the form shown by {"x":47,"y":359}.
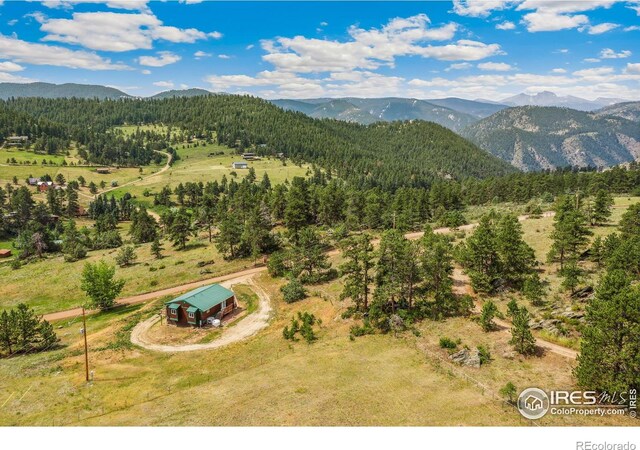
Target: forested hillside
{"x":534,"y":138}
{"x":369,"y":110}
{"x":389,"y":155}
{"x":49,"y":90}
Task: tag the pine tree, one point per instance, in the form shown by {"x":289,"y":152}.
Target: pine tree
{"x":156,"y":248}
{"x":601,"y":207}
{"x":517,"y":258}
{"x":480,"y":256}
{"x":570,"y":233}
{"x":521,"y":338}
{"x":358,"y":253}
{"x":608,"y":359}
{"x":143,"y":226}
{"x":180,"y":228}
{"x":436,"y":264}
{"x":26,"y":323}
{"x":572,"y":274}
{"x":489,"y":311}
{"x":629,"y":224}
{"x":8,"y":331}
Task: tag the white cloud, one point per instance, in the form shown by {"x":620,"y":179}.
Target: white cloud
{"x":13,"y":78}
{"x":223,"y":56}
{"x":496,"y":67}
{"x":12,"y":22}
{"x":602,"y":28}
{"x":249,"y":47}
{"x":116,"y":32}
{"x":164,"y":84}
{"x":562,"y":15}
{"x":145,"y":72}
{"x":324,"y":24}
{"x":632,"y":68}
{"x":591,"y":60}
{"x":200,"y":54}
{"x":140,"y":5}
{"x":632,"y":28}
{"x":480,"y":8}
{"x":373,"y":48}
{"x":608,"y":53}
{"x":506,"y":26}
{"x":163,"y":59}
{"x":559,"y":70}
{"x":41,"y":54}
{"x":459,"y":66}
{"x":553,"y":22}
{"x":8,"y":66}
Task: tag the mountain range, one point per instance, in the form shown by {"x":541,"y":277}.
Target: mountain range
{"x":49,"y":90}
{"x":532,"y":132}
{"x":452,"y":113}
{"x":547,"y":98}
{"x":540,"y":137}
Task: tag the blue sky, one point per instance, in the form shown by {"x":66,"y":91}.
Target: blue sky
{"x":429,"y":49}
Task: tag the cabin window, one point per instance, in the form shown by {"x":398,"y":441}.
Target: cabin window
{"x":172,"y":312}
{"x":191,"y":315}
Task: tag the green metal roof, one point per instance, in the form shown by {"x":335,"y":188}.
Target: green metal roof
{"x":174,"y":305}
{"x":192,"y":309}
{"x":205,"y":297}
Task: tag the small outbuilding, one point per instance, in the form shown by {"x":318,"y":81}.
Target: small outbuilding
{"x":239,"y":165}
{"x":195,"y":307}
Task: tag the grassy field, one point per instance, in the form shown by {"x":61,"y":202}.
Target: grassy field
{"x":266,"y":380}
{"x":196,"y":165}
{"x":59,"y":281}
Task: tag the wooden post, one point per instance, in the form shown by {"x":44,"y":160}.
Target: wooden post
{"x":86,"y":350}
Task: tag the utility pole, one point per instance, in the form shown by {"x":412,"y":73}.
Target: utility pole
{"x":86,"y":350}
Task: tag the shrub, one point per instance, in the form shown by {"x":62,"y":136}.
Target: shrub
{"x":509,"y":392}
{"x":293,"y":291}
{"x":485,"y":355}
{"x":447,"y":343}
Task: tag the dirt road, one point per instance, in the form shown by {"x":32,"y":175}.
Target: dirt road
{"x":244,"y":329}
{"x":462,"y":285}
{"x":141,"y":298}
{"x":164,"y":169}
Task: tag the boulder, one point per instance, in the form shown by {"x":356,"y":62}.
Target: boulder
{"x":466,"y":357}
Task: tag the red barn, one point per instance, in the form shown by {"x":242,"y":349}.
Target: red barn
{"x":195,"y":307}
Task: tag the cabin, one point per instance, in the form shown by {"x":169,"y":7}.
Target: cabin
{"x":248,"y":156}
{"x":195,"y":307}
{"x":33,"y":181}
{"x":103,"y":170}
{"x":239,"y":165}
{"x":17,"y":140}
{"x":43,"y":186}
{"x":5,"y":253}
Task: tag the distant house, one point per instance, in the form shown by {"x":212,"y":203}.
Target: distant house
{"x":17,"y":140}
{"x":103,"y":170}
{"x":239,"y":165}
{"x":5,"y":253}
{"x":248,"y":156}
{"x":195,"y":307}
{"x":33,"y":181}
{"x":43,"y":186}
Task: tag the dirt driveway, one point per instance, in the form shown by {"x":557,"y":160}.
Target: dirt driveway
{"x":242,"y":330}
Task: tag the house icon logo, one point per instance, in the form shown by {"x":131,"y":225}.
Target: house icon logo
{"x":533,"y":403}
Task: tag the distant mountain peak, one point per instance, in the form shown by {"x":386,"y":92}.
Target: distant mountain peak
{"x":548,"y":98}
